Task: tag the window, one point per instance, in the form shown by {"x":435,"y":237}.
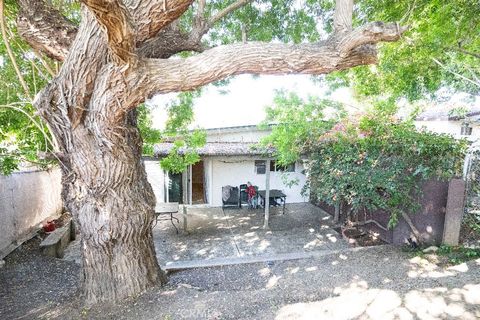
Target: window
{"x":260,"y":166}
{"x":277,"y":167}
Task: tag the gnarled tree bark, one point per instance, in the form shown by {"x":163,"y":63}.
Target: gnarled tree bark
{"x":45,"y":28}
{"x":120,"y":55}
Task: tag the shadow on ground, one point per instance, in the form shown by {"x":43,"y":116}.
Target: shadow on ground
{"x":216,"y":233}
{"x":354,"y":283}
{"x":372,"y":283}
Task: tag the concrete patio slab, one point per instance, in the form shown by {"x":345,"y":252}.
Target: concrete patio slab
{"x":221,"y":262}
{"x":235,"y":234}
{"x":284,"y":241}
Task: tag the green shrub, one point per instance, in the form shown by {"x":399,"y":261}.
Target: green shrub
{"x":378,"y":161}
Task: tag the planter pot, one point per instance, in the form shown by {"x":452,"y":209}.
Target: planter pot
{"x":49,"y":226}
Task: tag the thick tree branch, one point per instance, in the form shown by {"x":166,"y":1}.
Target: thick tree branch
{"x":152,"y":16}
{"x":161,"y":76}
{"x":47,"y":31}
{"x":370,"y":33}
{"x":201,"y":25}
{"x":112,"y":15}
{"x":192,"y":41}
{"x":342,"y":51}
{"x":342,"y":18}
{"x":63,"y":103}
{"x":45,"y":28}
{"x":221,"y":14}
{"x":200,"y":12}
{"x":170,"y":41}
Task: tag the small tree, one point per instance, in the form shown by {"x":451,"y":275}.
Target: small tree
{"x":295,"y":121}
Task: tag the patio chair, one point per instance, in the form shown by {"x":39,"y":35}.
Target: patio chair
{"x":230,"y":196}
{"x":243,"y":195}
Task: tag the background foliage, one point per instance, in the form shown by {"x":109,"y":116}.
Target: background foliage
{"x":185,"y":142}
{"x":177,"y":131}
{"x":441,"y":50}
{"x":294,"y":120}
{"x":23,"y":135}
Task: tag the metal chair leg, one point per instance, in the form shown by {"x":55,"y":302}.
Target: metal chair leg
{"x":156,"y":220}
{"x":173,"y":224}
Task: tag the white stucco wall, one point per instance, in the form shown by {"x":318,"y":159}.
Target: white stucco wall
{"x":26,"y":200}
{"x":222,"y":171}
{"x":235,"y":170}
{"x":238,"y":170}
{"x":450,"y":127}
{"x":156,"y":177}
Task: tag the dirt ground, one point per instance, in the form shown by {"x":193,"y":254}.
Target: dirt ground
{"x":371,"y":283}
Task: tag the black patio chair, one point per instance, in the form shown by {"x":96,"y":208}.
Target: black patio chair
{"x":243,"y":195}
{"x":233,"y":196}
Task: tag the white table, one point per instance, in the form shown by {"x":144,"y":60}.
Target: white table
{"x":168,"y":208}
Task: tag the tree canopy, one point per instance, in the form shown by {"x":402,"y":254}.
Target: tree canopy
{"x":441,"y":50}
{"x":24,"y":134}
{"x":294,"y":120}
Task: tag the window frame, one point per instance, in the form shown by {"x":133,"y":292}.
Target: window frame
{"x":257,"y":165}
{"x":278,"y":168}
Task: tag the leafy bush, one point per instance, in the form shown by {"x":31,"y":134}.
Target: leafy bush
{"x":378,"y":161}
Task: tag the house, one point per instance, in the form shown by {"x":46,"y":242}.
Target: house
{"x":443,"y":120}
{"x":230,"y":157}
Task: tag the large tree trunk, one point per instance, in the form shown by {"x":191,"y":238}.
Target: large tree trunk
{"x":104,"y":180}
{"x":105,"y":185}
{"x":113,"y":204}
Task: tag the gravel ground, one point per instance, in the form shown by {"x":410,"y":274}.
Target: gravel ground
{"x":373,"y":283}
{"x":32,"y":284}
